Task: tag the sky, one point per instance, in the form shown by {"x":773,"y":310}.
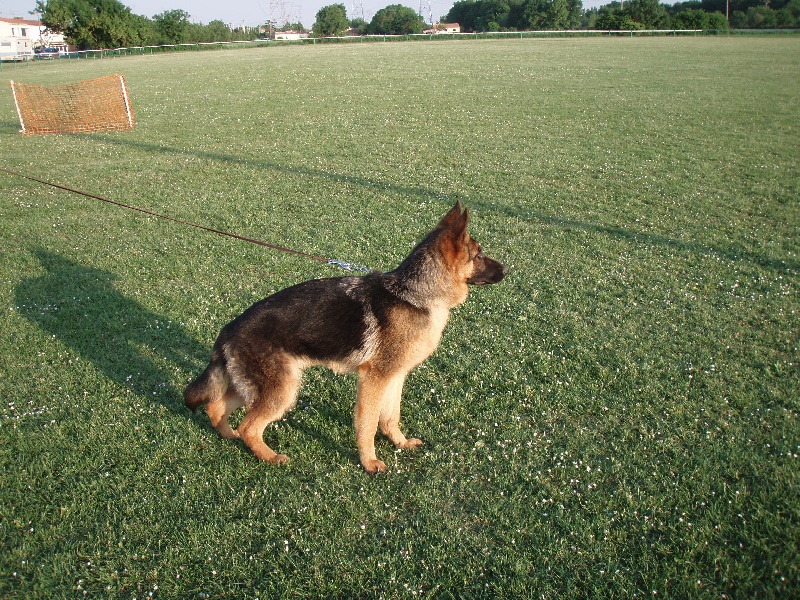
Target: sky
{"x":256,"y":12}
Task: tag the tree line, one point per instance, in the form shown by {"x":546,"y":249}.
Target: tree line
{"x":513,"y":15}
{"x":527,"y":15}
{"x":395,"y":19}
{"x":90,"y":24}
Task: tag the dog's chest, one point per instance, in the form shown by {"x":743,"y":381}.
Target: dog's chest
{"x":427,"y":339}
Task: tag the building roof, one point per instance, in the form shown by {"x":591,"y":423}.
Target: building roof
{"x":16,"y":21}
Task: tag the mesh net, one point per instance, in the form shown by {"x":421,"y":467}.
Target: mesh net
{"x":100,"y":104}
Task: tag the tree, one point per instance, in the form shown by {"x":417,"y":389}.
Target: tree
{"x":794,"y":8}
{"x":360,"y":26}
{"x":717,"y":22}
{"x":558,"y":15}
{"x":396,"y":19}
{"x":215,"y":31}
{"x":493,"y":15}
{"x":761,"y":17}
{"x":738,"y":20}
{"x":331,"y":20}
{"x":575,"y":10}
{"x":171,"y":26}
{"x":745,"y":14}
{"x":551,"y":14}
{"x":534,"y":14}
{"x":787,"y":16}
{"x":91,"y":23}
{"x":691,"y":19}
{"x":142,"y":31}
{"x":465,"y":13}
{"x":649,"y":14}
{"x":296,"y":26}
{"x":774,"y":13}
{"x":614,"y":17}
{"x":484,"y":15}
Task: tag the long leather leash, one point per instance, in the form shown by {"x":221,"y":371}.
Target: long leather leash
{"x":330,"y":261}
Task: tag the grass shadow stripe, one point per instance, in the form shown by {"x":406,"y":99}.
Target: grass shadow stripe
{"x":80,"y":306}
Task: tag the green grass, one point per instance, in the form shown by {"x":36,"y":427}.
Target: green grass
{"x":618,"y":418}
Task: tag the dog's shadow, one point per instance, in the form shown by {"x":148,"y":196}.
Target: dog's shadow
{"x":130,"y":344}
{"x":133,"y":346}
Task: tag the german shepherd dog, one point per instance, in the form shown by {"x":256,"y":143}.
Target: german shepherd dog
{"x":380,"y":326}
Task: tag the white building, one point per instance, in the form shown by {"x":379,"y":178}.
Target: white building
{"x":290,"y":35}
{"x":448,"y":28}
{"x":19,"y":37}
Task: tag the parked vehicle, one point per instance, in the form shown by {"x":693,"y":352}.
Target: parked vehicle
{"x":45,"y":53}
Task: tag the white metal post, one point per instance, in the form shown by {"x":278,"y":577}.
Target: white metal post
{"x":16,"y":103}
{"x":127,"y":103}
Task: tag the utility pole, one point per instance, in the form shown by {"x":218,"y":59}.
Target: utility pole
{"x":425,"y":5}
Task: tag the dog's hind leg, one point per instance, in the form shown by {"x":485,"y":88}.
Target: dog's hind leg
{"x":220,"y":410}
{"x":276,"y":394}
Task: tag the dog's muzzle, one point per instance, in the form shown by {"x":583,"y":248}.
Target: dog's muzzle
{"x":491,"y":272}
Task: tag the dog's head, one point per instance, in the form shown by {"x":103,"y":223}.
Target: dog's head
{"x":463,"y":255}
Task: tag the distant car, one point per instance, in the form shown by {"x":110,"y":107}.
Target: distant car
{"x":45,"y":53}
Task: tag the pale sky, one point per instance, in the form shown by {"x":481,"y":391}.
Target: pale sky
{"x":257,"y":12}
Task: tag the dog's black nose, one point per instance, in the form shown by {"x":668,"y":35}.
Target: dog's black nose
{"x":503,"y":271}
{"x":497,"y":274}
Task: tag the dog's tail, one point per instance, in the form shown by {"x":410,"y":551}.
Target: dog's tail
{"x":209,"y":385}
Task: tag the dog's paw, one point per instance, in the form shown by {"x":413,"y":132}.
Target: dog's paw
{"x":412,"y":444}
{"x":279,"y":459}
{"x":229,"y":434}
{"x":374,"y":466}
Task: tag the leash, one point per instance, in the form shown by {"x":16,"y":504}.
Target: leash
{"x":339,"y":263}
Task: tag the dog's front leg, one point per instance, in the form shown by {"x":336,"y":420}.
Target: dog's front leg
{"x":373,"y":387}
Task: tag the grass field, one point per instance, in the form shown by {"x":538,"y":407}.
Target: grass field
{"x":617,"y":419}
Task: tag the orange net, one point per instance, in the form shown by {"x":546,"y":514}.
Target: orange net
{"x":100,"y":104}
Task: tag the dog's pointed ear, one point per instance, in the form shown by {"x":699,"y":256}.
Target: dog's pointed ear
{"x":460,"y":227}
{"x":452,"y":220}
